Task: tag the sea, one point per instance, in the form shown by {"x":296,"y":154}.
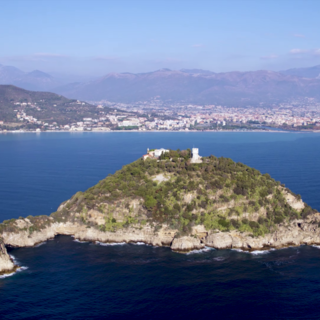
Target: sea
{"x":66,"y":279}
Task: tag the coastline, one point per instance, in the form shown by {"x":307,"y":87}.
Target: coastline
{"x":297,"y":233}
{"x":162,"y":131}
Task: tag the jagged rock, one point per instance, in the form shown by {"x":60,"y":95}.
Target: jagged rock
{"x":6,"y":264}
{"x":185,"y":244}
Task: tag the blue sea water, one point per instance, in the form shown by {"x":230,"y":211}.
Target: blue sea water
{"x":65,"y":279}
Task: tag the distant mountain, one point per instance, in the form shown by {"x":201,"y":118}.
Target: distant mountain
{"x":312,"y":72}
{"x":200,"y":71}
{"x":185,"y":86}
{"x":9,"y":74}
{"x":35,"y":80}
{"x":192,"y":86}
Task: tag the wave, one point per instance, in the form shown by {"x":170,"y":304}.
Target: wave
{"x":77,"y":240}
{"x":205,"y":249}
{"x":219,"y":259}
{"x":20,"y":268}
{"x":111,"y":244}
{"x":7,"y":275}
{"x":254,"y":252}
{"x":40,"y":244}
{"x":139,"y":243}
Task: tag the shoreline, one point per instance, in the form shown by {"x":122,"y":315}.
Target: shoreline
{"x":160,"y":131}
{"x":196,"y":250}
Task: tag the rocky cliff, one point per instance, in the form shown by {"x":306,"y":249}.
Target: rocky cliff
{"x":218,"y":204}
{"x":6,"y":263}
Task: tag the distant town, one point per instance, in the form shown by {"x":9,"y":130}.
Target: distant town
{"x":156,"y":115}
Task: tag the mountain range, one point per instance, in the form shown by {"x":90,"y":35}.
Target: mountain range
{"x":192,"y":86}
{"x":186,"y":86}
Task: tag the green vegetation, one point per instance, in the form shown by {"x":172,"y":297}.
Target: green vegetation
{"x":217,"y":193}
{"x":45,"y":106}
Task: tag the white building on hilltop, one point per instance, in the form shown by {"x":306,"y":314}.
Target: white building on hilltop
{"x":195,"y":156}
{"x":154,"y":153}
{"x":159,"y":152}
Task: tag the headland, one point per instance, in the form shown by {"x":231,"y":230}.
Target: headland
{"x":175,"y":198}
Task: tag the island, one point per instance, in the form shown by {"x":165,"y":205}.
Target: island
{"x":175,"y":198}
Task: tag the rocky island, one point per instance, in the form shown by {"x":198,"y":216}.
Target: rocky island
{"x":175,"y":198}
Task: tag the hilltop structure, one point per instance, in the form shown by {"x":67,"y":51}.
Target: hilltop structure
{"x":154,"y":153}
{"x":195,"y":156}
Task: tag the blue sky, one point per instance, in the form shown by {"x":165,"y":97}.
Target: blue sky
{"x":100,"y":36}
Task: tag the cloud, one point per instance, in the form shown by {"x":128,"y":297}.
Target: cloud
{"x":298,"y":35}
{"x":298,"y":51}
{"x":269,"y":57}
{"x":199,"y":45}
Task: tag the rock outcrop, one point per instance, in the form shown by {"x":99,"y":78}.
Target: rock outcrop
{"x":186,"y":244}
{"x":6,"y":263}
{"x":219,"y":240}
{"x":296,"y":233}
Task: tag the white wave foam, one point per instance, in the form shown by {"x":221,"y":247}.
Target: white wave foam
{"x":40,"y":244}
{"x":238,"y":250}
{"x":7,"y":275}
{"x":219,"y":259}
{"x":315,"y":246}
{"x":22,"y":268}
{"x":13,"y":259}
{"x":139,"y":243}
{"x":110,"y":244}
{"x":205,"y":249}
{"x":77,"y":240}
{"x":255,"y":252}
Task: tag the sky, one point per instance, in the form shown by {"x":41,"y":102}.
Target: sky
{"x":96,"y":37}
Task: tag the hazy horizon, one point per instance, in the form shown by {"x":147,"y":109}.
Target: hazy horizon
{"x":95,"y":38}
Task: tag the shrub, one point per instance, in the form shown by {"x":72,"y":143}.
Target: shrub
{"x":253,"y":225}
{"x":235,"y":223}
{"x":278,"y":219}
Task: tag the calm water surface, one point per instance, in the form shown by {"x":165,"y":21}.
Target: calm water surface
{"x":69,"y":280}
